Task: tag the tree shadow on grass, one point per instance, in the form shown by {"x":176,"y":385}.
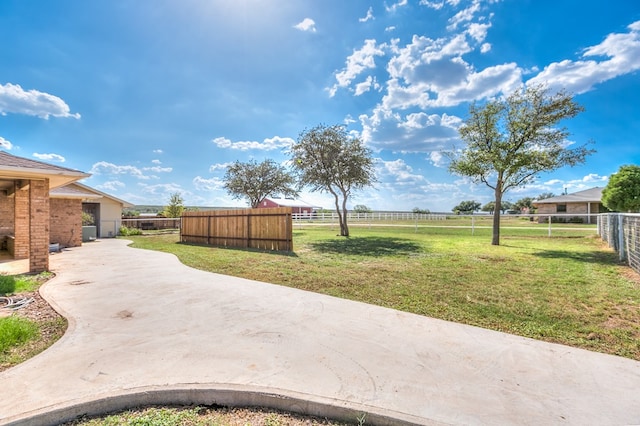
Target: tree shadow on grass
{"x":369,"y":246}
{"x":601,"y":257}
{"x":247,"y":249}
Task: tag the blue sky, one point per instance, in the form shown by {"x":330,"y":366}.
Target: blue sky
{"x":157,"y":96}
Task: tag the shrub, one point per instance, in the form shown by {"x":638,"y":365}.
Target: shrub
{"x":7,"y":284}
{"x":87,"y":219}
{"x":124,"y":231}
{"x":15,"y":331}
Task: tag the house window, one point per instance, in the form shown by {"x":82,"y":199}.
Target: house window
{"x":561,"y":208}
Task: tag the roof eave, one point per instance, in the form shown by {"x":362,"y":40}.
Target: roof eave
{"x":56,"y":178}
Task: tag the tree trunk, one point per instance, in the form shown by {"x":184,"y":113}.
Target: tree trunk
{"x":495,"y":241}
{"x":344,"y":228}
{"x":340,"y":217}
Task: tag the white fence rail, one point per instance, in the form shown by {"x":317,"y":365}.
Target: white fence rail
{"x":544,"y":222}
{"x":622,"y":232}
{"x":332,"y":217}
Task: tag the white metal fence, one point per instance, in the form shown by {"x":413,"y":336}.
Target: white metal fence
{"x":332,"y":217}
{"x":548,"y":224}
{"x":622,"y":232}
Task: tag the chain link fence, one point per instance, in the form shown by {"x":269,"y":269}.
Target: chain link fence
{"x":621,"y":231}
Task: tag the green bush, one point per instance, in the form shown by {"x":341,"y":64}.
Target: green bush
{"x":7,"y":284}
{"x":15,"y":331}
{"x":124,"y":231}
{"x":88,"y":219}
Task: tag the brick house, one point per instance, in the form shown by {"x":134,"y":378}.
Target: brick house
{"x":297,"y":206}
{"x":25,"y":206}
{"x":74,"y":199}
{"x":42,"y":203}
{"x":581,"y":204}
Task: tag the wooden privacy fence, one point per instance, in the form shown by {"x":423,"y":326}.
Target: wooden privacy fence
{"x":265,"y":229}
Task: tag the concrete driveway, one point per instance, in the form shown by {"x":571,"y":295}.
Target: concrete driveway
{"x":146,"y":329}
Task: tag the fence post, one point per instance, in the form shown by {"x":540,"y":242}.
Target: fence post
{"x":549,"y":226}
{"x":621,"y":238}
{"x":473,"y":224}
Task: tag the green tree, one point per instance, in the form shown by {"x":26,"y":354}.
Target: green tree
{"x":130,"y":213}
{"x":257,"y":181}
{"x":466,"y":207}
{"x":506,"y":205}
{"x":361,"y":208}
{"x":489,"y":207}
{"x":175,"y":207}
{"x":524,"y":203}
{"x":622,"y":193}
{"x":510,"y":141}
{"x":545,"y":195}
{"x":328,"y":160}
{"x":418,"y":210}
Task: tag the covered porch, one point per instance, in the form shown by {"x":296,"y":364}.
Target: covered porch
{"x":25,"y":211}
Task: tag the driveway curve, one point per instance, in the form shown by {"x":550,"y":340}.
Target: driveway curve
{"x":144,"y":329}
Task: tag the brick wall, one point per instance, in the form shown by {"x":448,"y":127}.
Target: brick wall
{"x":21,"y":220}
{"x":7,"y":209}
{"x":39,"y":226}
{"x":576,"y":208}
{"x":65,"y":222}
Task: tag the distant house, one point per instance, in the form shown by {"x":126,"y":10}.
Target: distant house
{"x":297,"y":206}
{"x":579,"y":203}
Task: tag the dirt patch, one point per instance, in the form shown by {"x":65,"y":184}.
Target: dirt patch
{"x":631,"y":275}
{"x":51,"y":325}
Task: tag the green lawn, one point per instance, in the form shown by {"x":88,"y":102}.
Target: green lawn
{"x":568,"y":289}
{"x":22,"y":338}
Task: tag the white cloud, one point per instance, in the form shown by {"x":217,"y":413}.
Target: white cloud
{"x":400,"y":171}
{"x":111,"y":185}
{"x":158,"y":169}
{"x":436,"y":5}
{"x":453,"y":83}
{"x":395,"y":6}
{"x":416,"y":132}
{"x":219,"y":166}
{"x":203,"y":184}
{"x":622,"y":56}
{"x":594,"y":177}
{"x":464,"y":15}
{"x":390,"y":28}
{"x":49,"y":157}
{"x":161,"y":188}
{"x":268,"y":144}
{"x":105,"y":168}
{"x":14,"y":99}
{"x":156,"y":161}
{"x":307,"y":24}
{"x":366,"y":85}
{"x":5,"y":144}
{"x":349,"y":120}
{"x":369,"y":15}
{"x":359,"y":61}
{"x":437,"y":159}
{"x":558,"y":186}
{"x":478,"y":31}
{"x":485,"y":47}
{"x":157,"y":151}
